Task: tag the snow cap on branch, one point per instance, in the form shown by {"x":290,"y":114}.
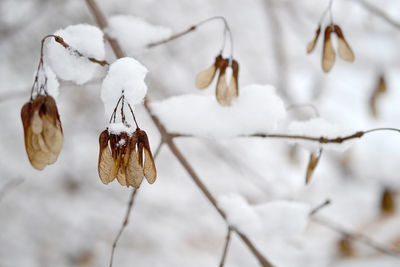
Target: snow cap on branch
{"x":126,"y":75}
{"x":134,"y":33}
{"x":276,"y":218}
{"x":69,"y":66}
{"x":257,"y":109}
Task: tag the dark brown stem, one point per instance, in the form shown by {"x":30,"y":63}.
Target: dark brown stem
{"x":321,"y":139}
{"x":227,"y":240}
{"x":173,"y":37}
{"x":124,"y":224}
{"x":319,"y":207}
{"x":167,"y":138}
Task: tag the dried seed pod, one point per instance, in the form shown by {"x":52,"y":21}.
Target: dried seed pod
{"x":311,"y":45}
{"x":379,"y":90}
{"x":344,"y":49}
{"x":328,"y":54}
{"x":42,"y":131}
{"x":312,"y":164}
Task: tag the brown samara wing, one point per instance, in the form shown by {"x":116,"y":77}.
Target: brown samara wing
{"x":134,"y":170}
{"x":204,"y":78}
{"x":328,"y":54}
{"x":233,"y":89}
{"x":379,"y":90}
{"x":222,"y":91}
{"x":344,"y":49}
{"x":149,"y":168}
{"x":312,"y":164}
{"x":106,"y":161}
{"x":311,"y":45}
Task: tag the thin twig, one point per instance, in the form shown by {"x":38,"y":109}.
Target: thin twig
{"x":361,"y":238}
{"x":102,"y":22}
{"x":380,"y":13}
{"x":227,"y":240}
{"x":321,"y":139}
{"x":320,"y":206}
{"x":124,"y":224}
{"x":227,"y":30}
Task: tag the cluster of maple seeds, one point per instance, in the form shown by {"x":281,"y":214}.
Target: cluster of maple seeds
{"x":125,"y":155}
{"x":328,"y":53}
{"x":224,"y":92}
{"x":42,"y":131}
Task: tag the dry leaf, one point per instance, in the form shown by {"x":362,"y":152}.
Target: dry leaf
{"x":328,"y":54}
{"x":311,"y":45}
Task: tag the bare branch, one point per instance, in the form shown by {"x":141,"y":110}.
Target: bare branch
{"x":124,"y":224}
{"x":380,"y":13}
{"x":227,"y":240}
{"x":321,"y":139}
{"x":320,"y":206}
{"x":102,"y":22}
{"x":359,"y":237}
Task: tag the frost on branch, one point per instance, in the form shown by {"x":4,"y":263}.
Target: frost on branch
{"x":134,"y":33}
{"x":272,"y":219}
{"x":69,"y":66}
{"x":257,"y":109}
{"x":125,"y":77}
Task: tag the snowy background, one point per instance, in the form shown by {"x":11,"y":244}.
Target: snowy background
{"x":65,"y":216}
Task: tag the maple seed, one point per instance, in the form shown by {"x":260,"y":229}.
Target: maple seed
{"x":224,"y":93}
{"x":344,"y":49}
{"x":328,"y":54}
{"x":380,"y":90}
{"x":42,"y":131}
{"x":127,"y":158}
{"x":312,"y":164}
{"x":311,"y":45}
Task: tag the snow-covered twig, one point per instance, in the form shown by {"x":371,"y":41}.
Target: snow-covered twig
{"x":102,"y":22}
